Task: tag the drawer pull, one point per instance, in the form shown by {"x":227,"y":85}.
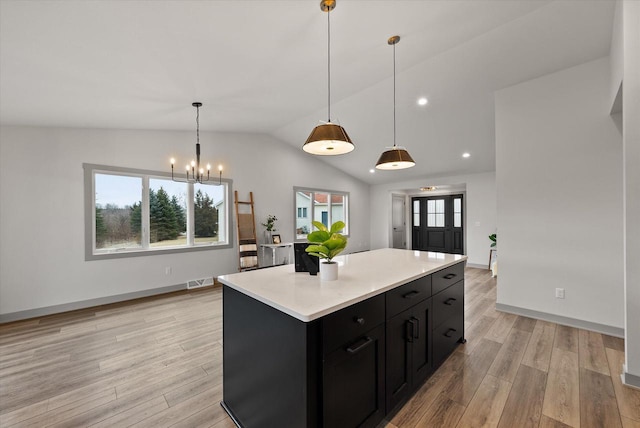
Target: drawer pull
{"x":367,"y":341}
{"x":449,"y":276}
{"x":449,"y":301}
{"x":359,"y":320}
{"x":411,"y":294}
{"x":415,"y":324}
{"x":449,"y":332}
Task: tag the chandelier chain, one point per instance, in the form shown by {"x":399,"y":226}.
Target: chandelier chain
{"x":394,"y":95}
{"x":328,"y":66}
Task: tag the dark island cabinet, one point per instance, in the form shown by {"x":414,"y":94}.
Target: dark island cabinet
{"x":347,"y":369}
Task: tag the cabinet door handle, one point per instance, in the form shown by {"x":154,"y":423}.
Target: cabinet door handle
{"x":449,"y":301}
{"x":411,"y":294}
{"x":358,"y":320}
{"x":449,"y":332}
{"x":367,"y":341}
{"x":449,"y":276}
{"x":415,"y":323}
{"x":408,"y":326}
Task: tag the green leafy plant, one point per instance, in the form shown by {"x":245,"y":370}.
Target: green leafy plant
{"x":494,"y":238}
{"x":327,"y":243}
{"x":271,"y":223}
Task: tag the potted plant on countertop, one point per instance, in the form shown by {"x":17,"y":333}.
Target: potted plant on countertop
{"x":326,"y":244}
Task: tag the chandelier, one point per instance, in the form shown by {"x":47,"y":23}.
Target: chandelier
{"x":193,"y":171}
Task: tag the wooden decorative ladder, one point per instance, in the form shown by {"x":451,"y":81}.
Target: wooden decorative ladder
{"x":247,"y":242}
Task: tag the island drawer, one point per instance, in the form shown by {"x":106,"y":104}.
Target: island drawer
{"x":446,"y":338}
{"x":349,"y":323}
{"x":448,"y":303}
{"x":405,"y":296}
{"x":446,"y":277}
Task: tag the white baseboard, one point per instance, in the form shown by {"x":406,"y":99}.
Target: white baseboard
{"x":477,"y":266}
{"x":56,"y":309}
{"x":629,"y":379}
{"x":559,"y":319}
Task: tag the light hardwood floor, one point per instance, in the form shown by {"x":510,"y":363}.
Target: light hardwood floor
{"x":157,"y":362}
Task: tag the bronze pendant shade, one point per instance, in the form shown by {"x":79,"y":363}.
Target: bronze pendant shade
{"x":328,"y":139}
{"x":395,"y":157}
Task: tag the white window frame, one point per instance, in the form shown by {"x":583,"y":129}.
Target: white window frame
{"x":91,"y":253}
{"x":345,"y":196}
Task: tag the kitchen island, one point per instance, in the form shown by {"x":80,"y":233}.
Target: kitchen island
{"x":301,"y":352}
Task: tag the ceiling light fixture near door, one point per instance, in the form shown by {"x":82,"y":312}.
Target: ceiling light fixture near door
{"x":194,"y":172}
{"x":328,"y":138}
{"x":396,"y":157}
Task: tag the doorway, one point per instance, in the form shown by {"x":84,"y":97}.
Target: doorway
{"x":398,"y":222}
{"x":437,"y":224}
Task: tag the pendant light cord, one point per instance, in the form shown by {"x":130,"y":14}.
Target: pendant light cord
{"x":198,"y":125}
{"x":394,"y":95}
{"x":328,"y":66}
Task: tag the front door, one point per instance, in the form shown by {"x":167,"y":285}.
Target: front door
{"x":437,"y":224}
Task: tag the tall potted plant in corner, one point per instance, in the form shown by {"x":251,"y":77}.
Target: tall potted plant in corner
{"x":326,"y":244}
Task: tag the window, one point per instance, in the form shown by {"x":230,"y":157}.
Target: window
{"x":435,"y":213}
{"x":133,"y":212}
{"x":324,"y":206}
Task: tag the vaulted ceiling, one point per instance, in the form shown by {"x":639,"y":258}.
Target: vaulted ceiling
{"x":261,"y":66}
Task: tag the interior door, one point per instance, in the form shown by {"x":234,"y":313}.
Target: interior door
{"x":438,"y":224}
{"x":398,"y":222}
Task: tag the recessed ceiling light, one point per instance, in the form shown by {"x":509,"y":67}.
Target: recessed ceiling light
{"x":372,"y":170}
{"x":465,"y":155}
{"x":423,"y":101}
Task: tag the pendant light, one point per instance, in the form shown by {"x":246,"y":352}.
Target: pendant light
{"x":396,"y":157}
{"x":328,"y":138}
{"x":194,"y":172}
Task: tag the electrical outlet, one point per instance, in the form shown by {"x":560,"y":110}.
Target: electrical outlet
{"x":167,"y":270}
{"x":559,"y":293}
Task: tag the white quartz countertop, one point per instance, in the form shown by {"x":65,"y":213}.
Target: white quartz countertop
{"x":361,"y":276}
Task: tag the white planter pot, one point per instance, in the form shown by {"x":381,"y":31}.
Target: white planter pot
{"x":328,"y":271}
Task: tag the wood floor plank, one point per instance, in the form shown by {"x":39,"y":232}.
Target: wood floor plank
{"x":630,"y":423}
{"x":591,"y":352}
{"x":566,"y":338}
{"x":547,"y":422}
{"x":506,"y":364}
{"x":525,"y":324}
{"x":613,"y":342}
{"x":475,"y":334}
{"x":443,"y":412}
{"x":487,"y":405}
{"x":205,"y":418}
{"x":538,"y":352}
{"x":562,"y":398}
{"x":135,"y":414}
{"x":598,"y":406}
{"x":467,"y":379}
{"x":628,"y":398}
{"x":523,"y":408}
{"x":500,"y":329}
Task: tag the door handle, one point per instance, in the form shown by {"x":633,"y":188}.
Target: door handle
{"x":449,"y":276}
{"x":408,"y":326}
{"x":367,"y":341}
{"x":415,"y":324}
{"x":449,"y":301}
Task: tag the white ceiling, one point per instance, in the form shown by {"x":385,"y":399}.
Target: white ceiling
{"x":260,"y":66}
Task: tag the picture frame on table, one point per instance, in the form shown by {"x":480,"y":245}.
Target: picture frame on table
{"x":275,"y":239}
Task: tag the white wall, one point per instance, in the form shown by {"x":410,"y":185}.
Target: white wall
{"x":480,"y":197}
{"x":42,"y":221}
{"x":559,"y":183}
{"x":631,"y":144}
